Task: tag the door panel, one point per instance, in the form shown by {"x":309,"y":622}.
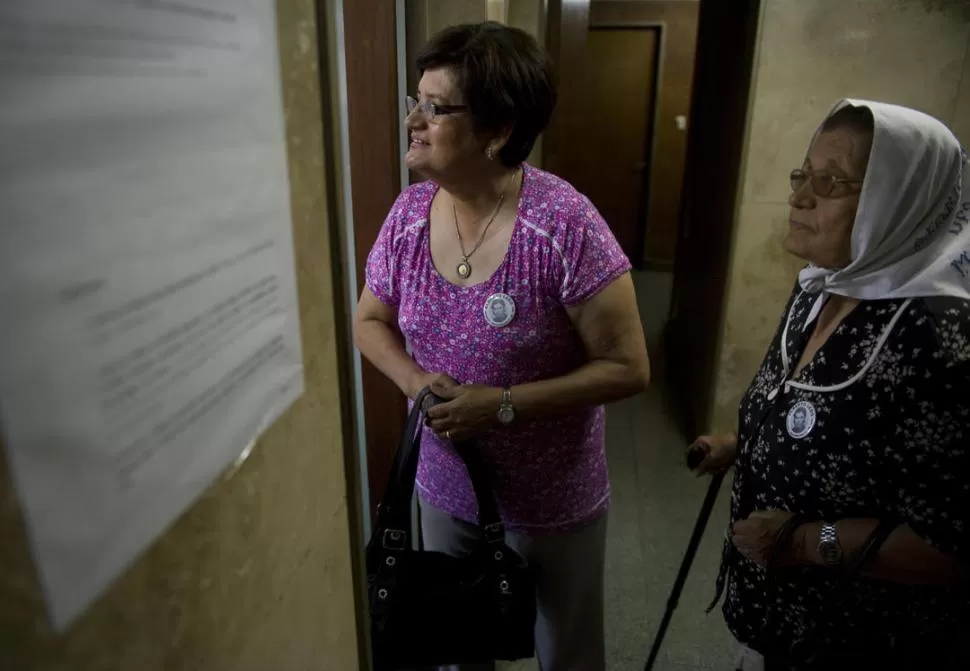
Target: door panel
{"x":609,"y":155}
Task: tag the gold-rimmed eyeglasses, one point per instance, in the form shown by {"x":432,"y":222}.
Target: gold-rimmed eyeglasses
{"x":823,"y":184}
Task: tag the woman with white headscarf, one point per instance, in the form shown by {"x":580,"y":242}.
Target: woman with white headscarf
{"x":855,"y":433}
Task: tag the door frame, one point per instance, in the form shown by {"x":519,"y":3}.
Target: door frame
{"x":643,"y":207}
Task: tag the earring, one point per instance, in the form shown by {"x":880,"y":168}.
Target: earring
{"x":490,"y":153}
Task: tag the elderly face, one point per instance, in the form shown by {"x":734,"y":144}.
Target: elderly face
{"x":820,"y":227}
{"x":446,"y":143}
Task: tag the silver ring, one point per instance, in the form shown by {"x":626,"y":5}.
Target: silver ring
{"x":448,"y":435}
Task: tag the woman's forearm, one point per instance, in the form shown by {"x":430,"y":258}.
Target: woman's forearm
{"x":383,"y":346}
{"x":597,"y":382}
{"x":904,"y":558}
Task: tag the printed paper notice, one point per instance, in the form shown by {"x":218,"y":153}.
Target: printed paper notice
{"x":148,"y":317}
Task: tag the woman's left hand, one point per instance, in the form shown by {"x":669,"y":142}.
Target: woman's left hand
{"x":469,"y":410}
{"x":755,"y":536}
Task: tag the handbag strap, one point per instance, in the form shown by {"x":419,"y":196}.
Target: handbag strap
{"x":874,"y":542}
{"x":488,"y":515}
{"x":404,"y":468}
{"x":394,"y":511}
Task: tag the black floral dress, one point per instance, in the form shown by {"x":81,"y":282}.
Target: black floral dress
{"x":877,"y":425}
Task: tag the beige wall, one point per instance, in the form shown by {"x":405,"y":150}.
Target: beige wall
{"x":910,"y":52}
{"x":257,"y":575}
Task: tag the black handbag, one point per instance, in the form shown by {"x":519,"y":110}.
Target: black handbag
{"x":431,"y":609}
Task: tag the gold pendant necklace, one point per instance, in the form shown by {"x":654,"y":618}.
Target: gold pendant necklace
{"x":464,"y":267}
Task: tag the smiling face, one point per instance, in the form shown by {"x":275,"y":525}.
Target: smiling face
{"x":820,"y":228}
{"x":447,"y":143}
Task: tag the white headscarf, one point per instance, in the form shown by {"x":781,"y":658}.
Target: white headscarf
{"x":911,"y":236}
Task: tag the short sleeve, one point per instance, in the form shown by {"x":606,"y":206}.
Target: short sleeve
{"x":930,"y":447}
{"x":380,"y":271}
{"x":593,"y":258}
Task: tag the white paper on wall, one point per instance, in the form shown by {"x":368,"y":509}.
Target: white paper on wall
{"x":148,"y":316}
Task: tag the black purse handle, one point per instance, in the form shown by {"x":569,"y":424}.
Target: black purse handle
{"x":870,"y":548}
{"x":394,"y":512}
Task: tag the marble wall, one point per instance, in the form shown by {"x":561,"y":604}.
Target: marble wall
{"x":910,"y":52}
{"x":258,"y":574}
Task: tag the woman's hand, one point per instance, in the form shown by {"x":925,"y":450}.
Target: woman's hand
{"x":468,"y":411}
{"x":755,"y":536}
{"x":721,"y":453}
{"x":436,"y":381}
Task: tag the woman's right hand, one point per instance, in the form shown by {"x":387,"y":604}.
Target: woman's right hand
{"x":722,"y":451}
{"x":432,"y":380}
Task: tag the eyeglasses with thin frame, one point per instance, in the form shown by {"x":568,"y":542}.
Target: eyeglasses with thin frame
{"x":432,"y":110}
{"x":823,"y":184}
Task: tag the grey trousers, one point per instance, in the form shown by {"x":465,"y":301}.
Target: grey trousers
{"x":569,"y":627}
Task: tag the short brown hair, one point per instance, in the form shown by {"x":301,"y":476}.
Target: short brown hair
{"x":505,"y":79}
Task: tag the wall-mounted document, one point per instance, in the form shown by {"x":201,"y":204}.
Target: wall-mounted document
{"x":148,"y":316}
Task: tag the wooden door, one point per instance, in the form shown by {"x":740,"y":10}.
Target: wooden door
{"x":372,"y":100}
{"x":609,"y":159}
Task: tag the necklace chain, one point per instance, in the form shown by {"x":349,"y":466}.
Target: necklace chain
{"x":464,"y":268}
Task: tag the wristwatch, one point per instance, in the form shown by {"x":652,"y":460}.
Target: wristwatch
{"x":829,"y":546}
{"x":506,"y":411}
